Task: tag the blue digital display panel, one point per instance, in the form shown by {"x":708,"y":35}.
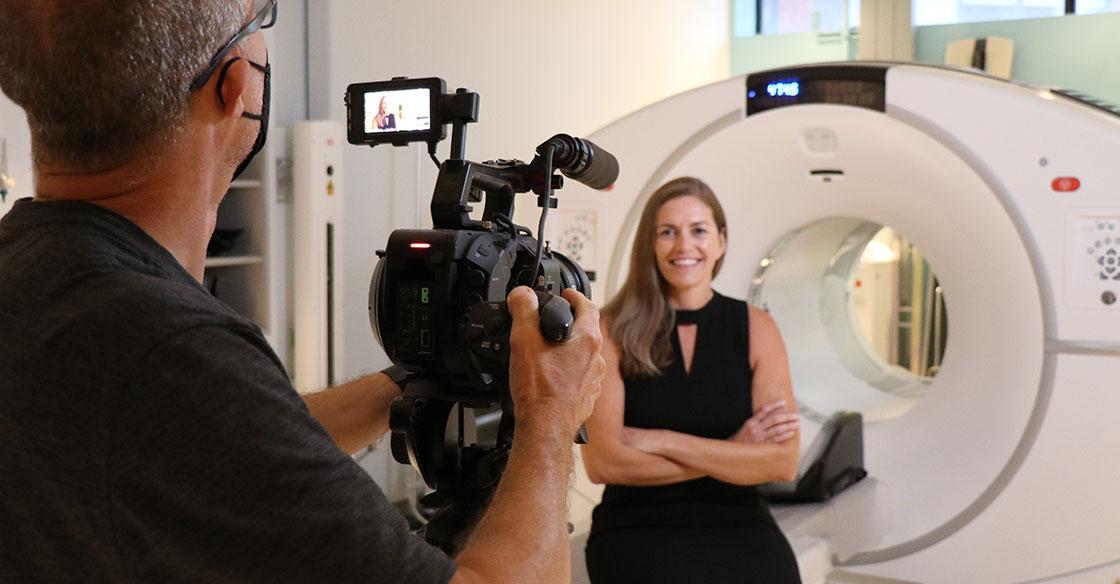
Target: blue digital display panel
{"x":784,"y":88}
{"x":851,"y":85}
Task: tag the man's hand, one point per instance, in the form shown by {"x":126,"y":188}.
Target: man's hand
{"x":554,"y":383}
{"x":772,"y":423}
{"x":523,"y":537}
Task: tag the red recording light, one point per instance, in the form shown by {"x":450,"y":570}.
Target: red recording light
{"x":1066,"y":184}
{"x":420,"y":245}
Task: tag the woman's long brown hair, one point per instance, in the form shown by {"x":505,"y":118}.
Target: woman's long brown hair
{"x":640,"y":318}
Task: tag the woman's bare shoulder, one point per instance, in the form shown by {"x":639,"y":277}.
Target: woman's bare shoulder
{"x":764,"y":332}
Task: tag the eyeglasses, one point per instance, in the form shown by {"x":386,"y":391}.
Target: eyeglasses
{"x":265,"y":18}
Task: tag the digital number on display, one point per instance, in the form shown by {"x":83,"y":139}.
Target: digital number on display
{"x":784,"y":89}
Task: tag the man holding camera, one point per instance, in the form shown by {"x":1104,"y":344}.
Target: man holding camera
{"x":147,"y":432}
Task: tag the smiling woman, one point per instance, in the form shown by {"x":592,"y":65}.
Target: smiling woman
{"x":696,"y":409}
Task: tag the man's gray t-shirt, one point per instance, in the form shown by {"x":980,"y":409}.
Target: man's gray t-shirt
{"x":149,"y":434}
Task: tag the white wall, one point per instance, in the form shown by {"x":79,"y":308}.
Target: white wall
{"x":287,"y":52}
{"x":540,"y":68}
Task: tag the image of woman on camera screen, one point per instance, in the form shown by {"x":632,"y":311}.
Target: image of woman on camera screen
{"x":696,"y":409}
{"x":384,"y":120}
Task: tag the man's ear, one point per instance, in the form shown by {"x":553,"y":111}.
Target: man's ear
{"x":232,"y":83}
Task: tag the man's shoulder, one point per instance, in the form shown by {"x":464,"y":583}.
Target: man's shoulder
{"x":130,"y":312}
{"x":80,"y":262}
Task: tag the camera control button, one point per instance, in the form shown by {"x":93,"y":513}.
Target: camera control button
{"x":476,"y":278}
{"x":496,"y":325}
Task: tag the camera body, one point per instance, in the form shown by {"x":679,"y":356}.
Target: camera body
{"x":437,"y":304}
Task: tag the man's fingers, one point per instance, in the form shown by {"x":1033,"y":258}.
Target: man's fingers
{"x":579,"y":302}
{"x":600,"y":371}
{"x":522,"y":303}
{"x":595,"y":374}
{"x":586,"y":313}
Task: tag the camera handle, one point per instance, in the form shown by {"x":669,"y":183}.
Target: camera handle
{"x":462,"y":182}
{"x":461,"y":108}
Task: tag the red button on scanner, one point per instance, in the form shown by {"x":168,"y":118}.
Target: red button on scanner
{"x":1066,"y":184}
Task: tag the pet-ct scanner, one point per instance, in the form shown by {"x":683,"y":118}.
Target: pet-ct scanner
{"x":1005,"y":469}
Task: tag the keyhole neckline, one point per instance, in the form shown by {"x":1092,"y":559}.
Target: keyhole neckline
{"x":682,"y":317}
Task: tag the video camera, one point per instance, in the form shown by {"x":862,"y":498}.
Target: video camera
{"x":437,"y":300}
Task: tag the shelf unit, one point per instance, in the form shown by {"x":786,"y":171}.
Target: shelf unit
{"x":233,"y":261}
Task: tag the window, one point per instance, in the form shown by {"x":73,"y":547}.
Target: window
{"x":744,"y":18}
{"x":751,"y":17}
{"x":929,"y":12}
{"x":1097,"y":6}
{"x":793,"y":16}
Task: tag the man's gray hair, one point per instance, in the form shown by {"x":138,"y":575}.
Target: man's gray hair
{"x":102,"y":79}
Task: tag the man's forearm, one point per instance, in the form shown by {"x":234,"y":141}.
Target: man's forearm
{"x":355,"y":414}
{"x":523,"y":537}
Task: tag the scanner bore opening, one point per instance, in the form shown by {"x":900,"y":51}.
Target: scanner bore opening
{"x":879,"y":305}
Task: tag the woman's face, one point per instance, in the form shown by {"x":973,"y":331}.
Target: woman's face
{"x":383,"y":107}
{"x":688,"y":243}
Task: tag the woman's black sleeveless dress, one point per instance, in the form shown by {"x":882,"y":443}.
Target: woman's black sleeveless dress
{"x":703,"y":530}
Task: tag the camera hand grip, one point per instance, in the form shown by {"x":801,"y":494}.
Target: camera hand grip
{"x":556,"y":316}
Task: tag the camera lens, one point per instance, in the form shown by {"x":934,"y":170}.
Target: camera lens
{"x":572,"y":275}
{"x":376,"y":298}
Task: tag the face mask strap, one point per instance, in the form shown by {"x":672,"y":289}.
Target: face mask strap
{"x":222,"y":79}
{"x":266,"y":69}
